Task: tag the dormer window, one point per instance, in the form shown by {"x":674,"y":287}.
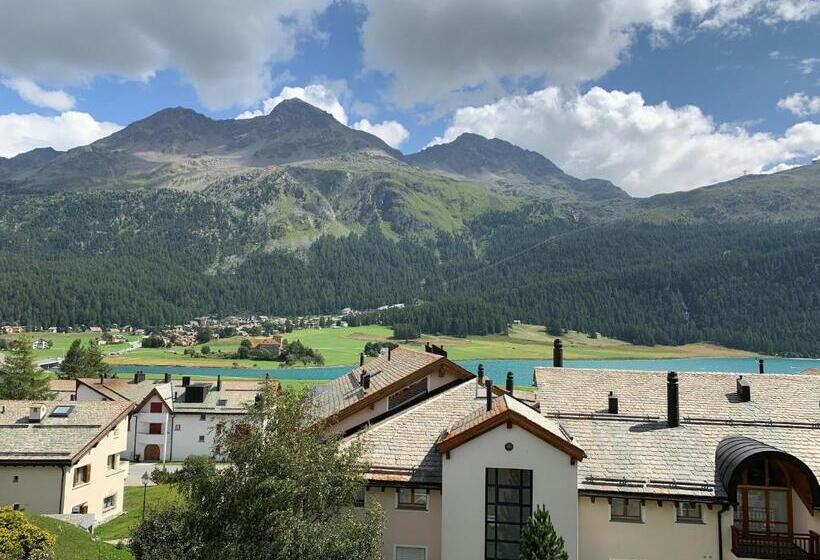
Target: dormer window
{"x":156,"y":407}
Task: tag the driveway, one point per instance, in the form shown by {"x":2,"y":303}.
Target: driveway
{"x":136,"y":471}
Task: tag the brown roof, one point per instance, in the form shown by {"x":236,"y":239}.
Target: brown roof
{"x":635,"y":452}
{"x":388,"y":373}
{"x":63,"y":389}
{"x":55,"y":439}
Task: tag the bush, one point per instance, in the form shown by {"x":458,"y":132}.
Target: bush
{"x":20,"y":539}
{"x":406,"y":331}
{"x":206,"y":349}
{"x":539,"y":540}
{"x":160,"y":475}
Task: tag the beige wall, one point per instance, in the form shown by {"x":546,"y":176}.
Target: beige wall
{"x":602,"y":539}
{"x":409,"y":527}
{"x":104,"y":482}
{"x":86,"y":394}
{"x":464,"y":488}
{"x":37,"y":489}
{"x":434,"y":381}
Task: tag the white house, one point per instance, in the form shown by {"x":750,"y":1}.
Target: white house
{"x":630,"y":465}
{"x":173,"y":419}
{"x":60,"y":457}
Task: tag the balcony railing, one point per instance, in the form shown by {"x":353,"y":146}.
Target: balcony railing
{"x":775,"y":546}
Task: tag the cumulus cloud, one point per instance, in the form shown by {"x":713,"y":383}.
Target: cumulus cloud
{"x":223,"y":48}
{"x":318,"y":95}
{"x":392,"y":132}
{"x":806,"y":65}
{"x":30,"y":92}
{"x":439,"y":49}
{"x":21,"y":133}
{"x":644,"y":148}
{"x":800,"y":104}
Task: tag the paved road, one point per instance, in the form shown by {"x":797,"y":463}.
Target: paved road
{"x":136,"y":471}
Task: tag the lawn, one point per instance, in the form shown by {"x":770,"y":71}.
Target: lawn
{"x":61,"y":342}
{"x":341,"y":347}
{"x":120,"y":527}
{"x":74,"y":543}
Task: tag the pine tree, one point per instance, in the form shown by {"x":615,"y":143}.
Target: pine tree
{"x":94,"y":365}
{"x":74,"y":362}
{"x":20,"y":378}
{"x":539,"y":541}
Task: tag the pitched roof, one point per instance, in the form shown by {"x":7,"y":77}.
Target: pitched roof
{"x":402,"y":448}
{"x":118,"y":389}
{"x":635,"y":452}
{"x":388,"y":373}
{"x":507,"y":409}
{"x":63,"y":389}
{"x":55,"y":439}
{"x":232,"y":399}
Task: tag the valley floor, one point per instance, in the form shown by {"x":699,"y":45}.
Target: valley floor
{"x":341,"y":347}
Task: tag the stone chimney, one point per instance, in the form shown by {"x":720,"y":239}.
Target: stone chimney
{"x":672,"y":400}
{"x":612,"y":402}
{"x":481,"y":373}
{"x":510,"y":383}
{"x":186,"y":380}
{"x":558,"y":353}
{"x":361,"y":359}
{"x":760,"y":368}
{"x":489,"y":386}
{"x":218,"y":382}
{"x":36,"y":413}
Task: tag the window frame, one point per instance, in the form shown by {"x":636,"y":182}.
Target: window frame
{"x":623,"y":516}
{"x":155,"y":407}
{"x":113,"y":502}
{"x":688,"y":518}
{"x":151,"y":428}
{"x":405,"y":546}
{"x":414,"y":493}
{"x":86,"y":477}
{"x":494,"y":498}
{"x":112,"y":464}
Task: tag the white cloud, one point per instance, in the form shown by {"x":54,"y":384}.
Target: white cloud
{"x":436,"y":50}
{"x":644,"y":148}
{"x":223,"y":48}
{"x":30,"y":92}
{"x":21,"y":133}
{"x":806,"y":65}
{"x":392,"y":132}
{"x":800,"y":104}
{"x":318,"y":95}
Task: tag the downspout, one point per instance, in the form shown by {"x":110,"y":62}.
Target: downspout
{"x":62,"y":488}
{"x":136,"y":425}
{"x":723,"y":508}
{"x":171,"y":417}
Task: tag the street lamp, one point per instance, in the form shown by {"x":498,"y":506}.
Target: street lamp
{"x":146,"y":478}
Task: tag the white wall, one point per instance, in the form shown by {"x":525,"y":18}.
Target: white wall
{"x":186,"y":439}
{"x":37,"y":488}
{"x":86,"y":394}
{"x":464,"y":488}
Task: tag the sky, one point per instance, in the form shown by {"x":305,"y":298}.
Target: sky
{"x":654,"y":95}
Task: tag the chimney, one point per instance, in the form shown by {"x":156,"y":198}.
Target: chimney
{"x":102,"y":380}
{"x":613,"y":403}
{"x":365,"y":381}
{"x":167,"y":377}
{"x":139,"y":377}
{"x":218,"y":382}
{"x":267,"y":376}
{"x":36,"y":413}
{"x":481,"y":373}
{"x":672,"y":400}
{"x":744,"y":389}
{"x":389,"y":353}
{"x":186,"y":380}
{"x":427,"y":347}
{"x":510,"y":383}
{"x":760,"y":368}
{"x":558,"y":353}
{"x":489,"y":386}
{"x":361,"y":359}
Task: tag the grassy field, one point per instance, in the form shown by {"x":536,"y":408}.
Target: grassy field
{"x":61,"y":342}
{"x":74,"y":543}
{"x":341,"y":347}
{"x":120,"y":527}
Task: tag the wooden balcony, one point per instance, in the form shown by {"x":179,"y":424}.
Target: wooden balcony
{"x":775,"y":546}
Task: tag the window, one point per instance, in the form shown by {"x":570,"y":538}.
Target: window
{"x":155,"y":428}
{"x":15,"y":478}
{"x":177,"y":427}
{"x":622,"y":509}
{"x":82,"y":508}
{"x":361,"y":496}
{"x":412,"y":498}
{"x":411,"y":553}
{"x":156,"y":407}
{"x":201,"y":439}
{"x":222,"y":402}
{"x":202,"y":417}
{"x":82,"y":475}
{"x":16,"y":507}
{"x":508,"y":508}
{"x":61,"y":411}
{"x":110,"y":502}
{"x":407,"y":394}
{"x":687,"y":512}
{"x":113,"y":462}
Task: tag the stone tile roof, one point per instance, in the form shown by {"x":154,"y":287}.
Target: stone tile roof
{"x":63,"y":389}
{"x":54,"y":439}
{"x":345,"y":391}
{"x":635,"y":452}
{"x":232,"y":399}
{"x":119,"y":389}
{"x":402,"y":448}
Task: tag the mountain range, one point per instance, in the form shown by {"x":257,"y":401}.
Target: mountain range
{"x":203,"y":215}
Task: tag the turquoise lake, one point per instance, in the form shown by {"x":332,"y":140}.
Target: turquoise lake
{"x":522,"y":369}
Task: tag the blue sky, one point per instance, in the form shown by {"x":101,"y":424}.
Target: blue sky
{"x":653,"y":95}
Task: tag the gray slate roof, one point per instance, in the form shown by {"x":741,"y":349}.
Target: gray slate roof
{"x":635,"y":451}
{"x":54,"y":439}
{"x":345,"y":391}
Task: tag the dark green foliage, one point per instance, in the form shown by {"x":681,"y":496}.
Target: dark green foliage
{"x":293,"y":352}
{"x":93,"y":363}
{"x":20,"y":378}
{"x":406,"y":331}
{"x":153,"y":342}
{"x":73,"y":365}
{"x":203,"y":336}
{"x":287,"y":494}
{"x":554,"y":330}
{"x":539,"y":540}
{"x":206,"y":349}
{"x":373,"y":349}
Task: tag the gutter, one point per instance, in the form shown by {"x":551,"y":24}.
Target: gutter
{"x":720,"y":529}
{"x":62,"y":489}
